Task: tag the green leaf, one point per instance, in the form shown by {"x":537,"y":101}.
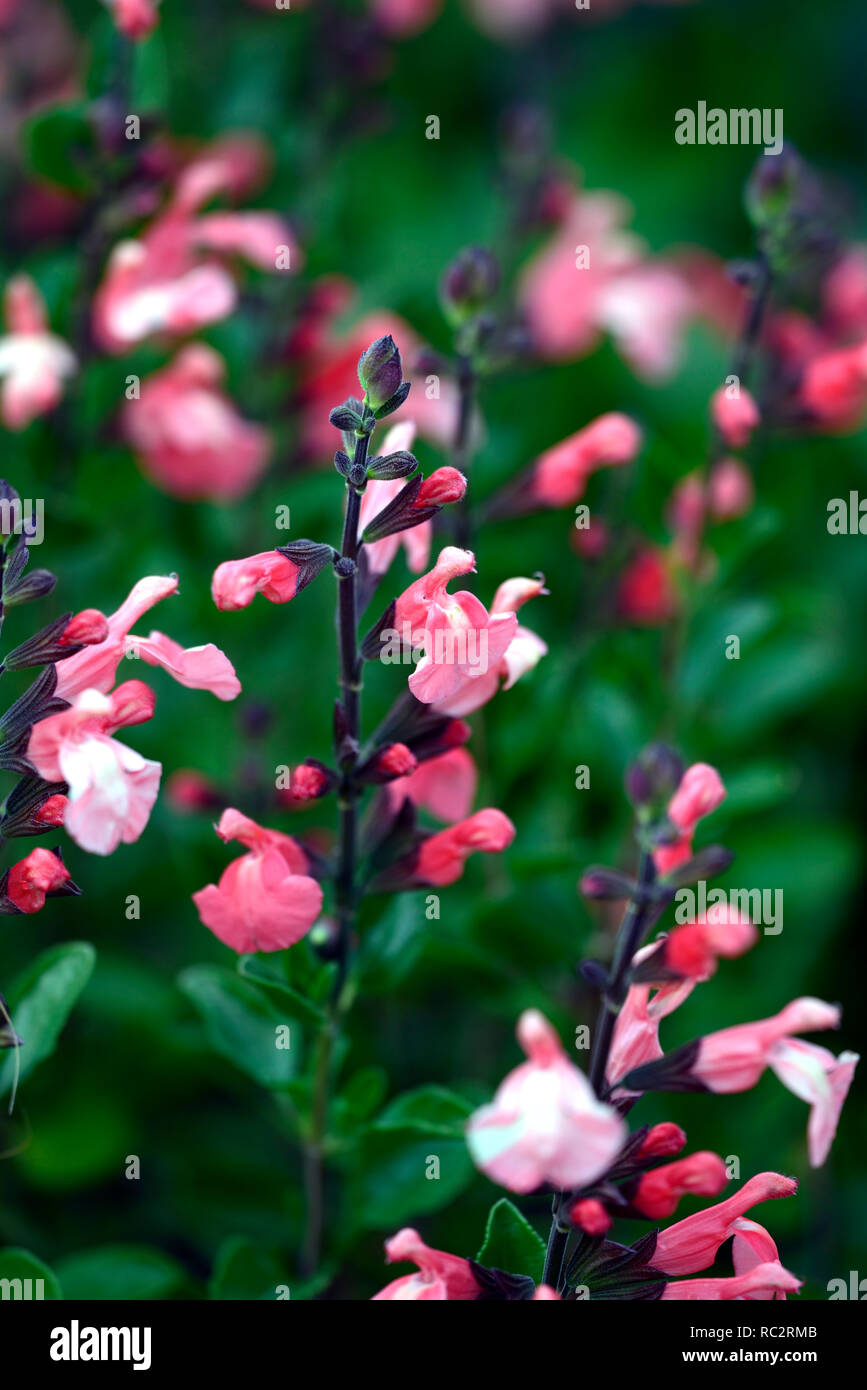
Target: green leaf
{"x":60,"y":147}
{"x":126,"y":1272}
{"x":289,"y":1000}
{"x":510,"y":1242}
{"x":247,"y":1271}
{"x":391,"y":948}
{"x":240,"y":1023}
{"x":20,"y":1264}
{"x":429,"y":1110}
{"x":40,"y":1003}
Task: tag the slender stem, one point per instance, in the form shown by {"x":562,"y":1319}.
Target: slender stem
{"x":346,"y":887}
{"x":461,"y":447}
{"x":629,"y":937}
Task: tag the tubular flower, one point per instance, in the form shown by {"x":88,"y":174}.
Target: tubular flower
{"x":237,"y":582}
{"x":111,"y":787}
{"x":659,"y":1191}
{"x":441,"y":1277}
{"x":187,"y":435}
{"x":559,"y":476}
{"x":762,"y":1281}
{"x":692,"y":1244}
{"x":646,"y":593}
{"x":33,"y":362}
{"x":544,"y":1125}
{"x":441,"y":858}
{"x":691,"y":951}
{"x":445,"y":786}
{"x":523,"y":653}
{"x":32,"y":879}
{"x":201,"y":668}
{"x":700,"y":792}
{"x":734,"y":416}
{"x":460,"y":640}
{"x":377,"y":495}
{"x":265,"y":901}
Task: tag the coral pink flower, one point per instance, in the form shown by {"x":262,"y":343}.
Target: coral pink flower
{"x":753,"y":1245}
{"x":559,"y":476}
{"x":445,"y":786}
{"x":636,"y":1032}
{"x":523,"y":653}
{"x":663,"y":1140}
{"x":265,"y":901}
{"x":237,"y":582}
{"x":545,"y":1124}
{"x":441,"y":858}
{"x":53,"y":810}
{"x":134,"y":18}
{"x":187,"y":435}
{"x":734,"y":416}
{"x":643,"y":304}
{"x":590,"y":1216}
{"x":730,"y":490}
{"x":733,"y":1059}
{"x":646,"y":594}
{"x":765,"y":1280}
{"x":543,"y":1293}
{"x":202,"y":668}
{"x":700,"y":792}
{"x":32,"y":878}
{"x":659,"y":1191}
{"x":441,"y":1277}
{"x":833,"y":388}
{"x":33,"y":362}
{"x":693,"y":949}
{"x":692,"y":1244}
{"x":815,"y":1075}
{"x":86,"y":628}
{"x":187,"y":790}
{"x":844,"y":293}
{"x":461,"y":641}
{"x":377,"y":495}
{"x":111,"y":787}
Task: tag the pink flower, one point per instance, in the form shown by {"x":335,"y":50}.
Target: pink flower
{"x":734,"y":1059}
{"x":111,"y":787}
{"x":201,"y":668}
{"x":559,"y":476}
{"x":545,"y":1125}
{"x":692,"y":1244}
{"x":844,"y":293}
{"x":31,"y":879}
{"x":377,"y":495}
{"x":522,"y":654}
{"x":188,"y":437}
{"x":700,"y":792}
{"x":643,"y":304}
{"x":441,"y":858}
{"x":403,"y":18}
{"x":735,"y":416}
{"x":461,"y":641}
{"x":659,"y":1190}
{"x":692,"y":950}
{"x":135,"y":19}
{"x":33,"y":362}
{"x":590,"y":1215}
{"x":834,"y":387}
{"x":441,"y":1277}
{"x":265,"y":901}
{"x":662,"y":1140}
{"x":765,"y":1280}
{"x":815,"y":1075}
{"x":636,"y":1032}
{"x":645,"y":593}
{"x":237,"y":582}
{"x":730,"y":490}
{"x":543,"y":1293}
{"x":172,"y":279}
{"x":445,"y":786}
{"x":753,"y":1245}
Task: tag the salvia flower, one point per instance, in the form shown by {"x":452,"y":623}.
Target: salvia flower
{"x":237,"y":582}
{"x":34,"y":364}
{"x":659,"y":1191}
{"x":31,"y":880}
{"x":559,"y":476}
{"x":441,"y":858}
{"x":266,"y":900}
{"x":700,"y":792}
{"x":440,"y":1277}
{"x":735,"y":415}
{"x":522,"y":655}
{"x":692,"y":1244}
{"x":544,"y":1125}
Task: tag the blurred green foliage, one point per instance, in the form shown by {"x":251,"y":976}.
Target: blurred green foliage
{"x":218,"y":1205}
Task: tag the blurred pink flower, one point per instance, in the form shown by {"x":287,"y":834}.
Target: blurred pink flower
{"x":441,"y":1277}
{"x":544,"y":1125}
{"x":135,"y":19}
{"x":188,"y":436}
{"x":559,"y":475}
{"x":111,"y":787}
{"x":441,"y":858}
{"x":700,"y":792}
{"x":445,"y":786}
{"x":34,"y":363}
{"x":265,"y":901}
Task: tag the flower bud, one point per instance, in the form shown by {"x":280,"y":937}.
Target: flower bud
{"x":443,"y":486}
{"x":380,"y":372}
{"x":590,"y":1216}
{"x":470,"y":281}
{"x":85,"y":629}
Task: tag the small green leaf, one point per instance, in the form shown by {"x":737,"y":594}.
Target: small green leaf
{"x":40,"y":1002}
{"x":246,"y":1271}
{"x":20,"y":1265}
{"x":510,"y":1242}
{"x":60,"y":147}
{"x":429,"y":1110}
{"x":126,"y":1272}
{"x":240,"y":1023}
{"x":288,"y":999}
